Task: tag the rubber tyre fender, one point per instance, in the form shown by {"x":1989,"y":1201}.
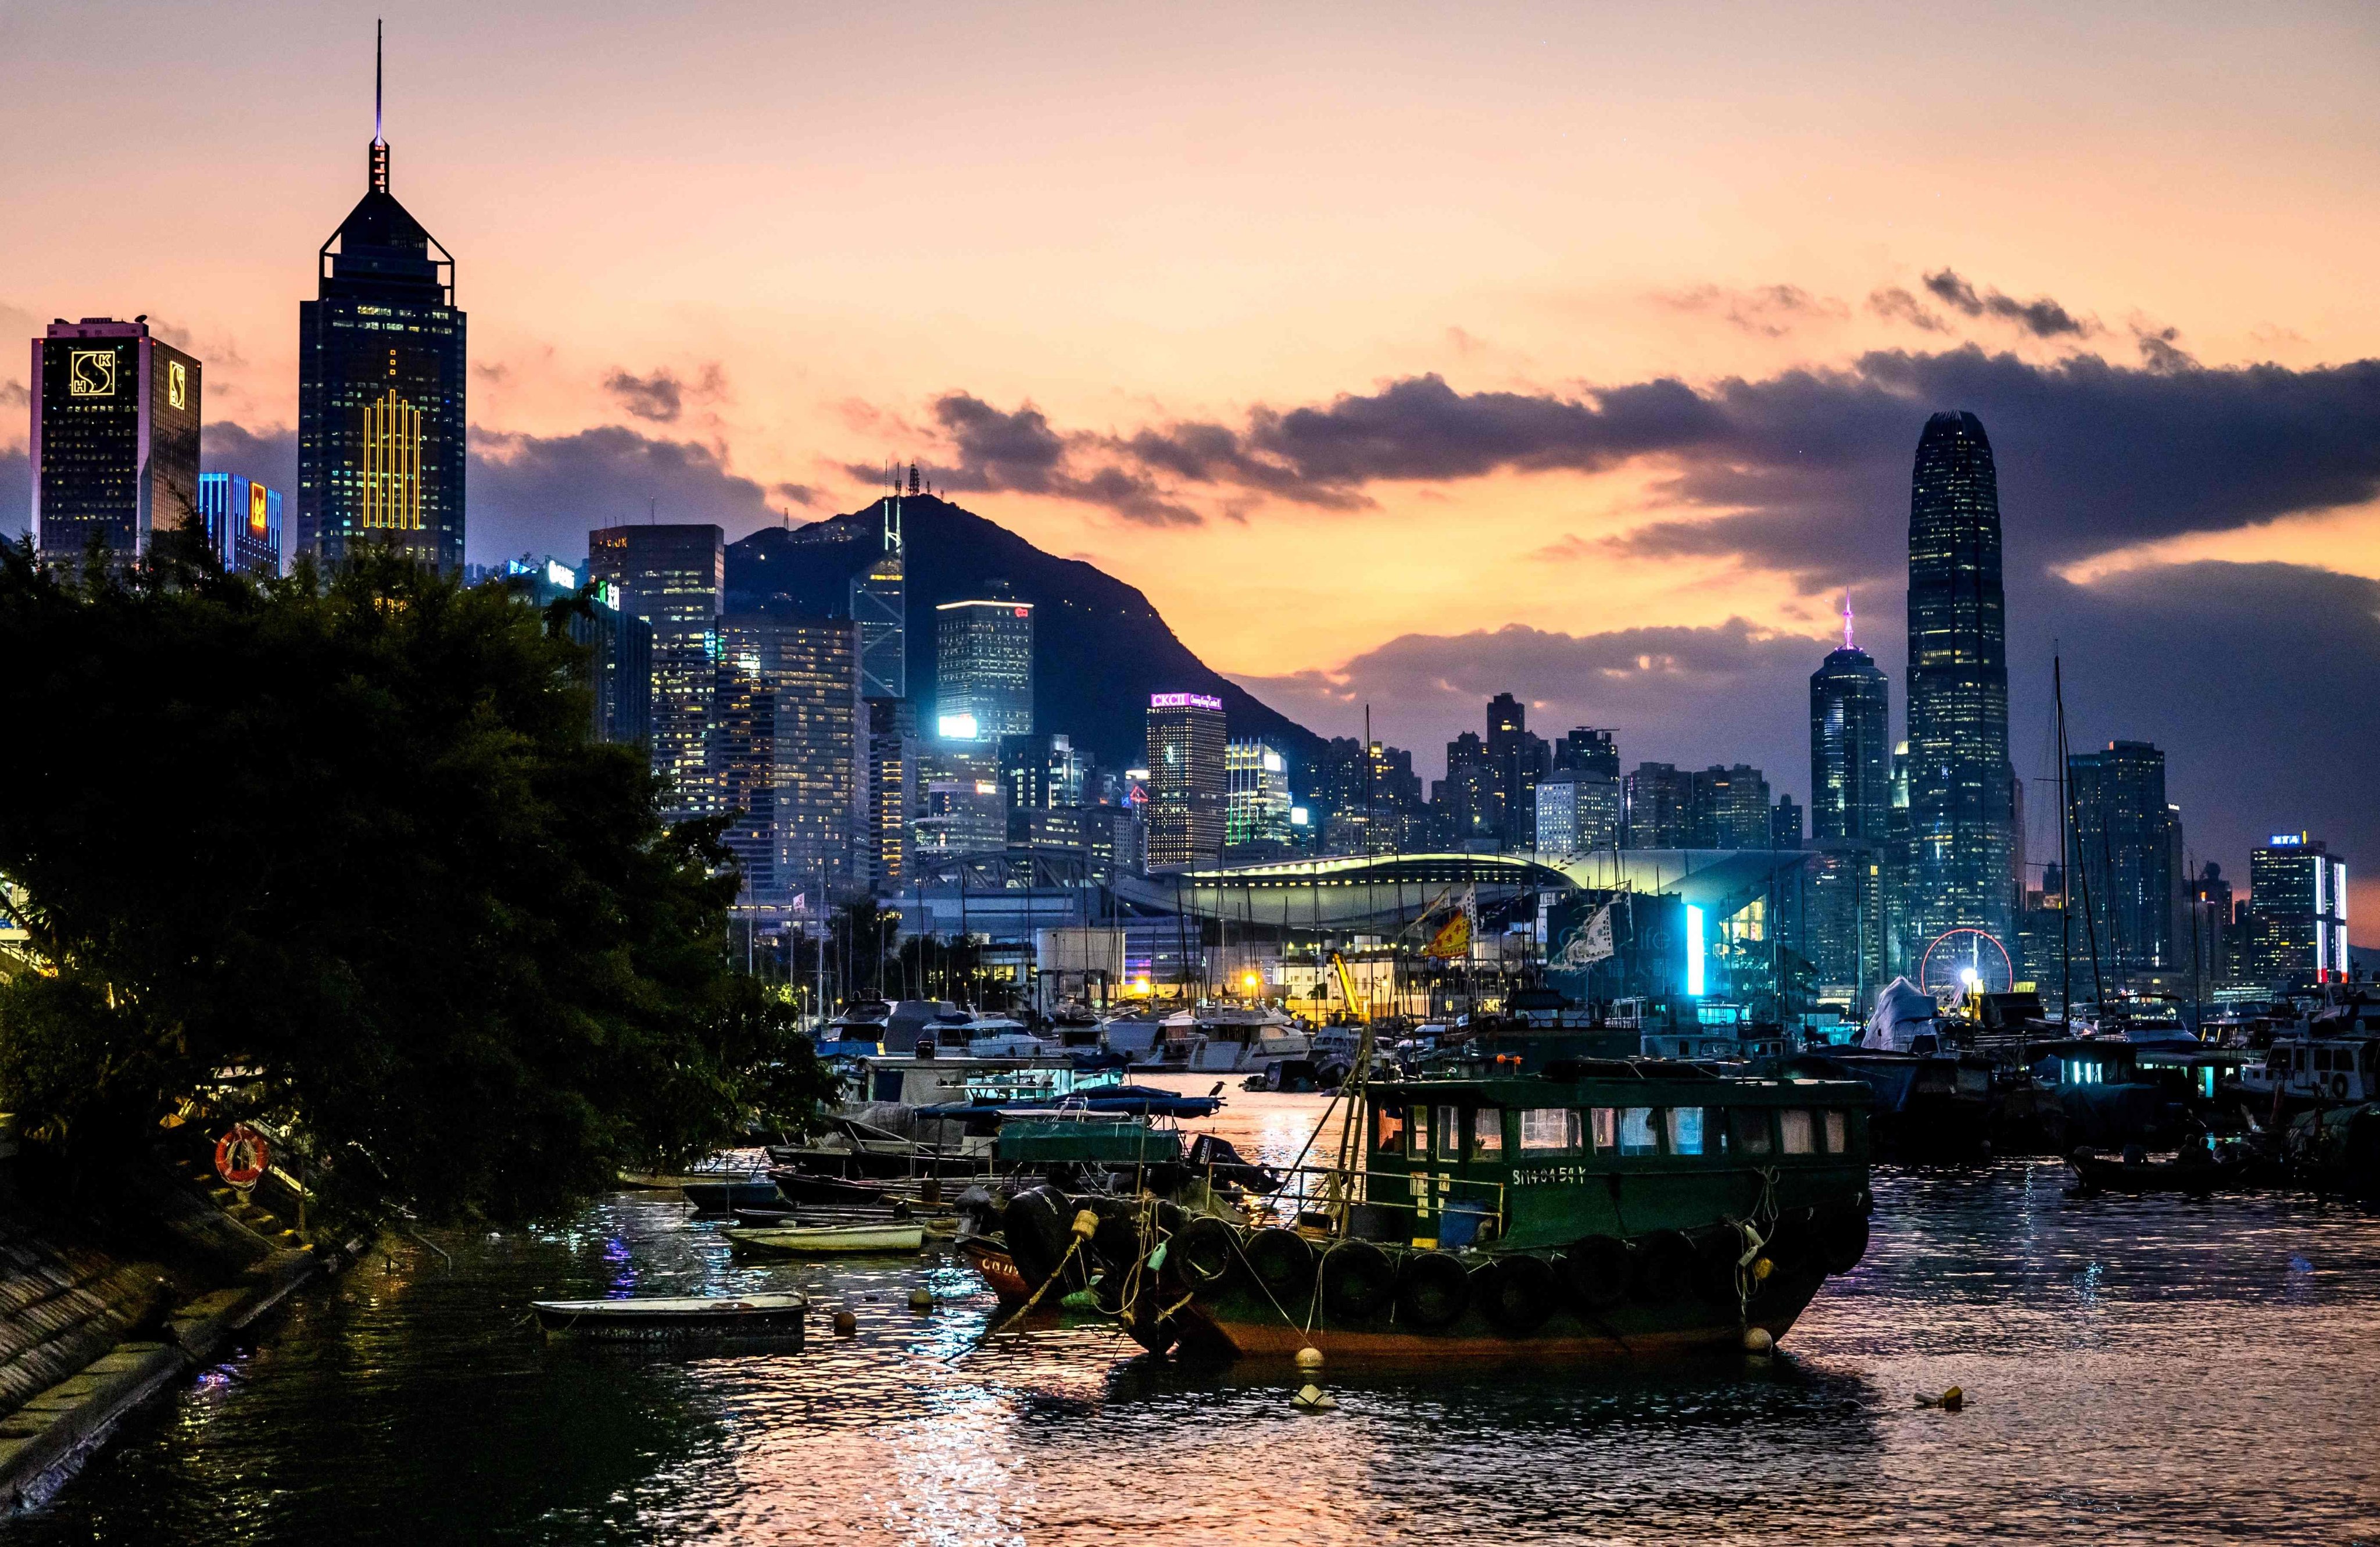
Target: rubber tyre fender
{"x":1843,"y":1243}
{"x":1281,"y":1261}
{"x":1715,"y":1253}
{"x":1665,"y":1268}
{"x":1518,"y":1292}
{"x":1359,"y":1280}
{"x":1432,"y":1289}
{"x":1036,"y":1225}
{"x":1598,"y":1271}
{"x":1791,"y":1246}
{"x":1204,"y":1253}
{"x":1116,"y":1244}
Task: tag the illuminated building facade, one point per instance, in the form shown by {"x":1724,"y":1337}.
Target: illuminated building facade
{"x":380,"y":380}
{"x":962,"y":816}
{"x":1851,"y":745}
{"x":1187,"y":782}
{"x":2121,"y":863}
{"x":671,"y":576}
{"x":983,"y":661}
{"x":1578,"y":812}
{"x":1961,"y":829}
{"x":115,"y":439}
{"x":2296,"y":927}
{"x":617,"y":672}
{"x":1040,"y":773}
{"x":891,"y":786}
{"x":788,"y":754}
{"x":879,"y":605}
{"x":242,"y":519}
{"x":1255,"y":794}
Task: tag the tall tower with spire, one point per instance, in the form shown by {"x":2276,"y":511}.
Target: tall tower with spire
{"x":380,"y":380}
{"x":1851,"y":744}
{"x":1961,"y":818}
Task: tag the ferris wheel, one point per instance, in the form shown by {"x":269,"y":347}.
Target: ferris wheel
{"x":1961,"y":960}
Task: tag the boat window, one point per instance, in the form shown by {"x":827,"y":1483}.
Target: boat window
{"x":1636,"y":1136}
{"x":2321,"y":1060}
{"x":1794,"y":1123}
{"x":1448,"y":1144}
{"x":1749,"y":1128}
{"x":1549,"y":1128}
{"x":1686,"y":1130}
{"x":1606,"y":1128}
{"x":1837,"y":1133}
{"x":1389,"y":1130}
{"x":1488,"y":1131}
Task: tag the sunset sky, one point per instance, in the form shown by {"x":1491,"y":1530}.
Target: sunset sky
{"x":1399,"y":354}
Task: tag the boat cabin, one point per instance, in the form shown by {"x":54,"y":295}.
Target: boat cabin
{"x":1598,"y":1148}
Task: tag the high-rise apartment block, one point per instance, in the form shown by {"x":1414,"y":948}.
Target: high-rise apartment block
{"x":983,"y":658}
{"x":381,"y":378}
{"x":242,"y":521}
{"x":2118,"y":866}
{"x":1578,"y":812}
{"x":788,"y":754}
{"x":892,"y":792}
{"x":1961,"y":785}
{"x":1586,"y":751}
{"x":671,"y":576}
{"x":1660,"y":798}
{"x":1186,"y":783}
{"x":115,"y":439}
{"x":2296,"y":930}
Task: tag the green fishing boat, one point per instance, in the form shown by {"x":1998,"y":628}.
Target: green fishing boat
{"x":1601,"y":1210}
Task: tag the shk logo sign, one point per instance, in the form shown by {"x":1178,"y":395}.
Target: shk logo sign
{"x":90,"y":374}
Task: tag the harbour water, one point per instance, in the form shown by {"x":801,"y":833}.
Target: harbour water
{"x":2136,"y":1371}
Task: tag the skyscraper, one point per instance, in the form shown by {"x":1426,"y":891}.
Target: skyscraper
{"x":671,"y":577}
{"x":2120,"y":860}
{"x":983,"y":659}
{"x":879,"y":605}
{"x":892,"y":786}
{"x":618,"y":670}
{"x":1961,"y":827}
{"x":1256,"y":808}
{"x":115,"y":439}
{"x":242,"y":520}
{"x":1660,"y":799}
{"x":788,"y":754}
{"x":1851,"y":744}
{"x":1588,"y":752}
{"x":1728,"y":808}
{"x":380,"y":385}
{"x":2297,"y":912}
{"x":1186,"y":788}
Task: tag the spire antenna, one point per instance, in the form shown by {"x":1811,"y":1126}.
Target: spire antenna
{"x":378,"y":155}
{"x":1846,"y":617}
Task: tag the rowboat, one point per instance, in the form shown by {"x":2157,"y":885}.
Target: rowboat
{"x":819,"y":1240}
{"x":989,"y":1259}
{"x":688,"y":1316}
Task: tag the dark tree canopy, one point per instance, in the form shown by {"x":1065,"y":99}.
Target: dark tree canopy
{"x":349,"y":842}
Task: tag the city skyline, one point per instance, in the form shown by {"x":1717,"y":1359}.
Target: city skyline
{"x":1684,"y":458}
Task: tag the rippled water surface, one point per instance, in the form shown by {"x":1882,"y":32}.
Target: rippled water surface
{"x":2137,"y":1371}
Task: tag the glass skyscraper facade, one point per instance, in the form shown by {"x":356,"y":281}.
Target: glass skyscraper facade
{"x":983,"y":660}
{"x":115,"y":439}
{"x":2119,"y":872}
{"x":1186,"y":780}
{"x":671,"y":576}
{"x":1961,"y":827}
{"x":1850,"y":748}
{"x":2297,"y":912}
{"x":380,"y":388}
{"x":242,"y":519}
{"x":879,"y":605}
{"x":789,"y":755}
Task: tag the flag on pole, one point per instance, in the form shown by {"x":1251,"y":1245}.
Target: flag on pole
{"x":1590,"y":943}
{"x":1454,"y":937}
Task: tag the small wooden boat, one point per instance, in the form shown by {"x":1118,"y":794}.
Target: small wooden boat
{"x":822,"y":1240}
{"x":991,"y":1262}
{"x":730,"y":1193}
{"x":685,"y":1316}
{"x":2196,"y":1178}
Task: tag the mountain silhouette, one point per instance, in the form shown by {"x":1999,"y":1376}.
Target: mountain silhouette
{"x":1100,"y":650}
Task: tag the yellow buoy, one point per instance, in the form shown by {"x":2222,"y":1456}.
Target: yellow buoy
{"x":1759,"y":1343}
{"x":845,"y":1323}
{"x":1309,"y":1360}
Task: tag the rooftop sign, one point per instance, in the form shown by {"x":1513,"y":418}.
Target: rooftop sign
{"x":1184,"y":701}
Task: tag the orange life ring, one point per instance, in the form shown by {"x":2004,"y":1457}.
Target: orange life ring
{"x":242,"y":1156}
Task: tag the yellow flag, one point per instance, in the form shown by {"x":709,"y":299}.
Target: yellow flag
{"x":1453,"y":938}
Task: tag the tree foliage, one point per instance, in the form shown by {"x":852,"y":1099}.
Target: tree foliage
{"x":343,"y":845}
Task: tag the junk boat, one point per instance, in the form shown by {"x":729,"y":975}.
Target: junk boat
{"x":1601,"y":1210}
{"x":686,"y":1316}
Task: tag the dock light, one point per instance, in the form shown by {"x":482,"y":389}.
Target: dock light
{"x":1693,"y":949}
{"x":1968,"y":975}
{"x":1250,"y":983}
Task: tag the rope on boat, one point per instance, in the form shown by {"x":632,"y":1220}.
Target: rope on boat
{"x":1074,"y":1250}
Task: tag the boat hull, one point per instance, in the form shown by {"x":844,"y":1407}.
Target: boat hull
{"x":780,"y":1316}
{"x":726,"y":1196}
{"x":832,"y":1240}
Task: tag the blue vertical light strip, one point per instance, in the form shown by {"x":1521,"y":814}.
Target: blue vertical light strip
{"x":1693,"y":950}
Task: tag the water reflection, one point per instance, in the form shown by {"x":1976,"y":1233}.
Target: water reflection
{"x":2129,"y":1363}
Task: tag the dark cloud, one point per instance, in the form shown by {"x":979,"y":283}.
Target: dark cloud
{"x":2041,"y":317}
{"x":1018,"y":451}
{"x":1897,"y":305}
{"x":659,"y":396}
{"x":542,"y":495}
{"x":15,"y":395}
{"x":268,"y":455}
{"x":799,"y":493}
{"x":2159,"y":351}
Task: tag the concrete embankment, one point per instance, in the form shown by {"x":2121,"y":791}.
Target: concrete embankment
{"x":104,"y":1304}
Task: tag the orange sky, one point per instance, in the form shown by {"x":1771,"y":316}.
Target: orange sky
{"x":1131,"y":217}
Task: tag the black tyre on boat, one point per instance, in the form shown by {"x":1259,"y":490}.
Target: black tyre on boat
{"x":1666,"y":1268}
{"x":1598,"y":1271}
{"x":1359,"y":1280}
{"x":1203,"y":1253}
{"x":1433,"y":1288}
{"x":1282,"y":1263}
{"x":1518,"y":1292}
